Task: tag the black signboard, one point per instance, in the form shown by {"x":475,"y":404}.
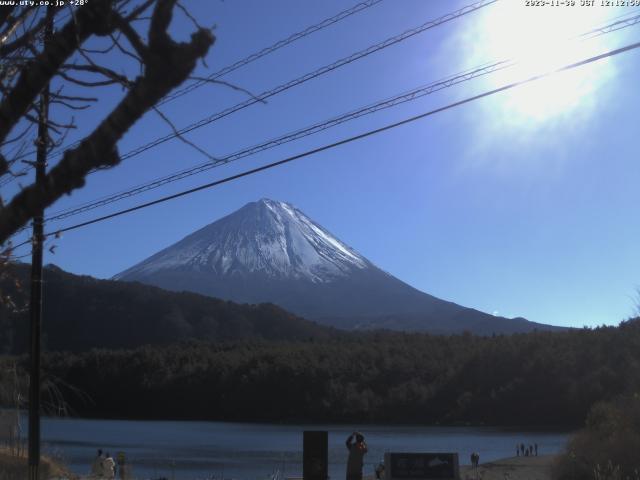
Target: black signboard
{"x":428,"y":466}
{"x":315,"y":455}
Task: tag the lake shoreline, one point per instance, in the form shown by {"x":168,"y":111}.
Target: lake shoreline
{"x":560,"y":428}
{"x":512,"y":468}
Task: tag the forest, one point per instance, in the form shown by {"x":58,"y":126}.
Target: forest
{"x":81,"y":312}
{"x":537,"y":379}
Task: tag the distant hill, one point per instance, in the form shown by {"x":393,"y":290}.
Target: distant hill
{"x":81,"y":312}
{"x":269,"y":251}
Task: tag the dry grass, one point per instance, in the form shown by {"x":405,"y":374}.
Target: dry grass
{"x":607,"y":448}
{"x":515,"y":468}
{"x":14,"y":467}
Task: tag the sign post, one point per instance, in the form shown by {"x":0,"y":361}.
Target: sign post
{"x":315,"y":455}
{"x":421,"y":466}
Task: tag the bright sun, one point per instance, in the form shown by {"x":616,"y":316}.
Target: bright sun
{"x":542,"y":39}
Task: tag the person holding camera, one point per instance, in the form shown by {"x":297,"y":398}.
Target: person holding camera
{"x":357,"y":451}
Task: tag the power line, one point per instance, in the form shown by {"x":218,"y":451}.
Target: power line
{"x":412,"y":95}
{"x":318,"y":127}
{"x":596,"y":32}
{"x":351,"y":139}
{"x":311,"y":75}
{"x":270,"y":49}
{"x":303,"y":79}
{"x":14,"y":247}
{"x":296,"y":135}
{"x":620,"y":23}
{"x":359,"y":7}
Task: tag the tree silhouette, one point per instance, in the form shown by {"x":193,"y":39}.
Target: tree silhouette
{"x":135,"y":30}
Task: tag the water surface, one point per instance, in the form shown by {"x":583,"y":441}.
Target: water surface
{"x":245,"y":451}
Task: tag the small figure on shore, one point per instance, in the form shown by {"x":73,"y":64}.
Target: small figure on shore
{"x":120,"y":465}
{"x":535,"y":446}
{"x":109,"y":467}
{"x":522,"y":448}
{"x":96,"y":466}
{"x":475,"y":459}
{"x":357,"y":452}
{"x":517,"y":450}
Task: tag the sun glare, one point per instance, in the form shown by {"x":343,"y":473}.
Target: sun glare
{"x":542,"y":40}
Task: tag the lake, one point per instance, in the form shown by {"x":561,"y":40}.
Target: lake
{"x":246,"y":451}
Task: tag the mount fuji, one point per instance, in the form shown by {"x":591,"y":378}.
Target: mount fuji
{"x":269,"y":251}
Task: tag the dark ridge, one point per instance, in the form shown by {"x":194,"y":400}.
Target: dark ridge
{"x":82,"y":312}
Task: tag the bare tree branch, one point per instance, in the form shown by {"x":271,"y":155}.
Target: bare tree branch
{"x":69,"y":105}
{"x":4,"y":165}
{"x":5,"y":13}
{"x":18,"y":137}
{"x":230,"y":85}
{"x":75,"y":98}
{"x":117,"y":43}
{"x":132,"y":36}
{"x":93,"y":18}
{"x":86,"y":83}
{"x":139,"y":11}
{"x":99,"y":69}
{"x":102,"y":51}
{"x":11,"y":23}
{"x":188,"y":15}
{"x":22,"y":41}
{"x":181,"y":137}
{"x":167,"y":65}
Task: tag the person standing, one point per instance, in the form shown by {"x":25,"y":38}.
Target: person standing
{"x":357,"y":451}
{"x":121,"y":460}
{"x":109,"y":467}
{"x":96,"y":466}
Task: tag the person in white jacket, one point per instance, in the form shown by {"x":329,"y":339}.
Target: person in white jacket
{"x":108,"y":467}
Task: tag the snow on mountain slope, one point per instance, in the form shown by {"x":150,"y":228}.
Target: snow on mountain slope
{"x":270,"y":237}
{"x":269,"y":251}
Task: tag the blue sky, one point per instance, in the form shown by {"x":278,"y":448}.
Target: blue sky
{"x":524,"y":204}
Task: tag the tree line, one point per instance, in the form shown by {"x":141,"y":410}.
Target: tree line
{"x":539,"y":378}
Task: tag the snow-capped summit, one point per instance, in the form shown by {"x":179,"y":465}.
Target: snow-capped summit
{"x":270,"y":237}
{"x":269,"y":251}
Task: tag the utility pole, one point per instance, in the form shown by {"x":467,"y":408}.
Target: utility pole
{"x":35,"y":307}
